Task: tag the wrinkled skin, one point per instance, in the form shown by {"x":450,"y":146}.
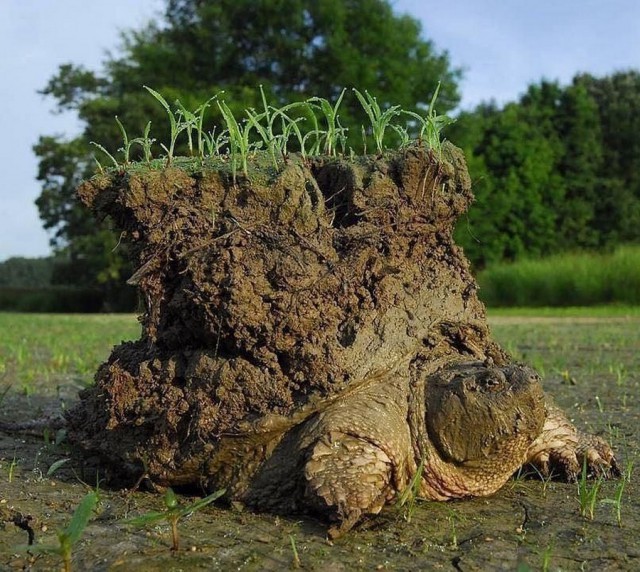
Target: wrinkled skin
{"x":469,"y":427}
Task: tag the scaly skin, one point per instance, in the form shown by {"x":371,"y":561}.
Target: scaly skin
{"x":472,"y":424}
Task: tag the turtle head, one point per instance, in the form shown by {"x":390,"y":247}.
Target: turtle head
{"x":480,"y":420}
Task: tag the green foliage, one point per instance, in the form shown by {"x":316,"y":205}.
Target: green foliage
{"x":20,"y":272}
{"x":51,"y":299}
{"x":295,"y":49}
{"x":582,"y":279}
{"x":555,"y":171}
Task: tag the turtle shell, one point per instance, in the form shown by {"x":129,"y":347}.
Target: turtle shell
{"x":268,"y":296}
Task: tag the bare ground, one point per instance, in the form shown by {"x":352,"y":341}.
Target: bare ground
{"x":590,"y":367}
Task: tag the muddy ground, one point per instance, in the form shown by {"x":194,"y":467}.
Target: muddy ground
{"x":590,"y":366}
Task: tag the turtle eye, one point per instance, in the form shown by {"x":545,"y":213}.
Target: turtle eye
{"x":493,"y":379}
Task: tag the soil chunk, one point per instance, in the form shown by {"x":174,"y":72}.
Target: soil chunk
{"x":283,"y":313}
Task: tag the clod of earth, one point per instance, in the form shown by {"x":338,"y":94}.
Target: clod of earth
{"x":312,"y":337}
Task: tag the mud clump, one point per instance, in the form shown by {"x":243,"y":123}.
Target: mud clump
{"x":268,"y":297}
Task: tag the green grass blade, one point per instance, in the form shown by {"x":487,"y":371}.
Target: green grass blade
{"x":147,"y":518}
{"x":113,"y":159}
{"x":55,"y":466}
{"x":159,"y":97}
{"x":80,"y":518}
{"x":202,"y":502}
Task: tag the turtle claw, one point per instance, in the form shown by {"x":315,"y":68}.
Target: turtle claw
{"x":561,"y":448}
{"x":597,"y":455}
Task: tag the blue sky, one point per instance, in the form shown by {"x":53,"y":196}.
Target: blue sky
{"x":503,"y":45}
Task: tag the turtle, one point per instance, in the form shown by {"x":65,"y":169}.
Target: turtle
{"x":459,"y":432}
{"x":313,"y":341}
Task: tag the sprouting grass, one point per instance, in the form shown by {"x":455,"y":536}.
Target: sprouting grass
{"x":12,"y":467}
{"x":616,"y":501}
{"x":410,"y":494}
{"x":546,"y":558}
{"x":452,"y":518}
{"x":588,"y":492}
{"x":295,"y":563}
{"x":239,"y":139}
{"x":380,"y":120}
{"x":583,"y":279}
{"x":431,"y":124}
{"x":176,"y":125}
{"x":70,"y":535}
{"x":334,"y":132}
{"x":313,"y":125}
{"x":173,"y":513}
{"x":265,"y":125}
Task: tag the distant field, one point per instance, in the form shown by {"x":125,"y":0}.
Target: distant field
{"x":53,"y":349}
{"x":582,"y":279}
{"x":610,"y":311}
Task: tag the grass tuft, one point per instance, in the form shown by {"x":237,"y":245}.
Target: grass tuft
{"x":313,"y":126}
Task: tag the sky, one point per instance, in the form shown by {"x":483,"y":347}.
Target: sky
{"x":502,"y":46}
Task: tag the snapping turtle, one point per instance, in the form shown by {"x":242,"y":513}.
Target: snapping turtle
{"x":313,"y":338}
{"x":467,"y":428}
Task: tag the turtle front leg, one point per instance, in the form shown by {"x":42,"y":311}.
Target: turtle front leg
{"x":561,"y":447}
{"x":346,"y":478}
{"x":357,"y":453}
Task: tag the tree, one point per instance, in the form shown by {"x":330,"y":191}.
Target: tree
{"x":578,"y":127}
{"x":556,"y":170}
{"x":294,"y":49}
{"x":20,"y":272}
{"x":617,"y":100}
{"x":518,"y":191}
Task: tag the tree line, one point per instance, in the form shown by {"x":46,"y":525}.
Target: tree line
{"x":557,"y":170}
{"x":554,"y":170}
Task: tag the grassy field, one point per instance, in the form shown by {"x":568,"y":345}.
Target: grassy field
{"x":570,"y":279}
{"x":590,"y":361}
{"x":45,"y":351}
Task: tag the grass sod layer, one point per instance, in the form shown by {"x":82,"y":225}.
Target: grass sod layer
{"x":529,"y":523}
{"x":248,"y":143}
{"x":583,"y":279}
{"x":310,"y":127}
